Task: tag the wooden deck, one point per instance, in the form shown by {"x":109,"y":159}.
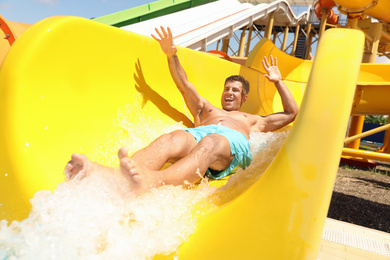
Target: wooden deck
{"x":341,"y":240}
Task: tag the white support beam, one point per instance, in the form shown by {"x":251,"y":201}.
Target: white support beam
{"x":291,"y":2}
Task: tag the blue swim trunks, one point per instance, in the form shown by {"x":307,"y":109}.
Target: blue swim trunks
{"x":239,"y":147}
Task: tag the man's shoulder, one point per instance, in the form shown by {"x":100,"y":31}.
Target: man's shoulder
{"x":207,"y":103}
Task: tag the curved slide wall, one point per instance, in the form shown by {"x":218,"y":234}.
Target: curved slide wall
{"x":372,"y":90}
{"x":377,"y":9}
{"x":66,"y":81}
{"x":9,"y":32}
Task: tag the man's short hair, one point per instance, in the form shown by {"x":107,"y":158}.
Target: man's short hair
{"x":244,"y":82}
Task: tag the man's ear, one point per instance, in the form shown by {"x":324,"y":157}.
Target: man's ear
{"x":244,"y":98}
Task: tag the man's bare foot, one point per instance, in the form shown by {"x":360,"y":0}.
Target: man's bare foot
{"x":78,"y":165}
{"x":139,"y":177}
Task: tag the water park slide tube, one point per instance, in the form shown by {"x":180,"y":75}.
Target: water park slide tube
{"x":66,"y":81}
{"x":195,"y":28}
{"x":372,"y":86}
{"x":377,"y":9}
{"x":9,"y":32}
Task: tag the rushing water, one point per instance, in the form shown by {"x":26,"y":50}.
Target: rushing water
{"x":99,"y":218}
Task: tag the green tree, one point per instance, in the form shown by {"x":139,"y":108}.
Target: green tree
{"x":376,"y":119}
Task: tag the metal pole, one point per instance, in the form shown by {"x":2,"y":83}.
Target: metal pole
{"x":355,"y":128}
{"x":286,"y":29}
{"x":268,"y":28}
{"x":369,"y":56}
{"x":366,"y":154}
{"x":225,"y":45}
{"x":367,"y":133}
{"x":354,"y":23}
{"x":386,"y":35}
{"x":296,"y":34}
{"x":248,"y":42}
{"x":275,"y":34}
{"x":218,"y":45}
{"x":375,"y":32}
{"x":308,"y":40}
{"x":386,"y":140}
{"x":323,"y":23}
{"x":242,"y":43}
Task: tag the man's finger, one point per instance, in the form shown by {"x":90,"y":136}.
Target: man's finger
{"x":276,"y":62}
{"x":169,"y":32}
{"x":157,"y":39}
{"x":164,"y":32}
{"x":266,"y":61}
{"x":158,"y":32}
{"x":272,"y":60}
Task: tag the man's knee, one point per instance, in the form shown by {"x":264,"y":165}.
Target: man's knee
{"x":217,"y":149}
{"x":215,"y":143}
{"x":177,"y":142}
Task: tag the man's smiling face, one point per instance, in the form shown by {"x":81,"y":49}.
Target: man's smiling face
{"x":232,"y":96}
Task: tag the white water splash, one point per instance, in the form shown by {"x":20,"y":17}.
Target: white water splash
{"x":98,"y":217}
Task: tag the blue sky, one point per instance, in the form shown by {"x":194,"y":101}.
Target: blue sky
{"x":32,"y":11}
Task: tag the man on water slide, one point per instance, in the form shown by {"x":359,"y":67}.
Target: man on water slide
{"x":217,"y":144}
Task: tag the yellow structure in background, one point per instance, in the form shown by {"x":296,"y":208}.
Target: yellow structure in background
{"x":9,"y":32}
{"x":377,"y":42}
{"x":66,"y":82}
{"x":380,"y":9}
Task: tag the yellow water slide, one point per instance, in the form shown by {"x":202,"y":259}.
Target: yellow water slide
{"x":68,"y":84}
{"x":9,"y":32}
{"x":379,"y":9}
{"x":372,"y":86}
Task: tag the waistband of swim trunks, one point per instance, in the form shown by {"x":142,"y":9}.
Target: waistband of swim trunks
{"x":227,"y":128}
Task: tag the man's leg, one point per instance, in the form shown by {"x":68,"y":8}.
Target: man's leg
{"x":167,"y":148}
{"x":80,"y":164}
{"x":212,"y":151}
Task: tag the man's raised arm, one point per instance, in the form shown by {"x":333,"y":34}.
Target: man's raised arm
{"x":191,"y":96}
{"x":278,"y":120}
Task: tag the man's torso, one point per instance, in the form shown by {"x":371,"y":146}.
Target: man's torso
{"x":236,"y":120}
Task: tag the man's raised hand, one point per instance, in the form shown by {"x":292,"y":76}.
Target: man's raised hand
{"x":165,"y":40}
{"x":273,"y":73}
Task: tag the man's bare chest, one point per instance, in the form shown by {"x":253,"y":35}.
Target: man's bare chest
{"x":215,"y":114}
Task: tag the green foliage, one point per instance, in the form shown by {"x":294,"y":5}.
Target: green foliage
{"x":376,"y":119}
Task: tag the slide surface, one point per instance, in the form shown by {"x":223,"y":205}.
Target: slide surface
{"x":68,"y":83}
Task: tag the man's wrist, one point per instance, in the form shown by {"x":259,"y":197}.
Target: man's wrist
{"x":279,"y":81}
{"x":171,"y":55}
